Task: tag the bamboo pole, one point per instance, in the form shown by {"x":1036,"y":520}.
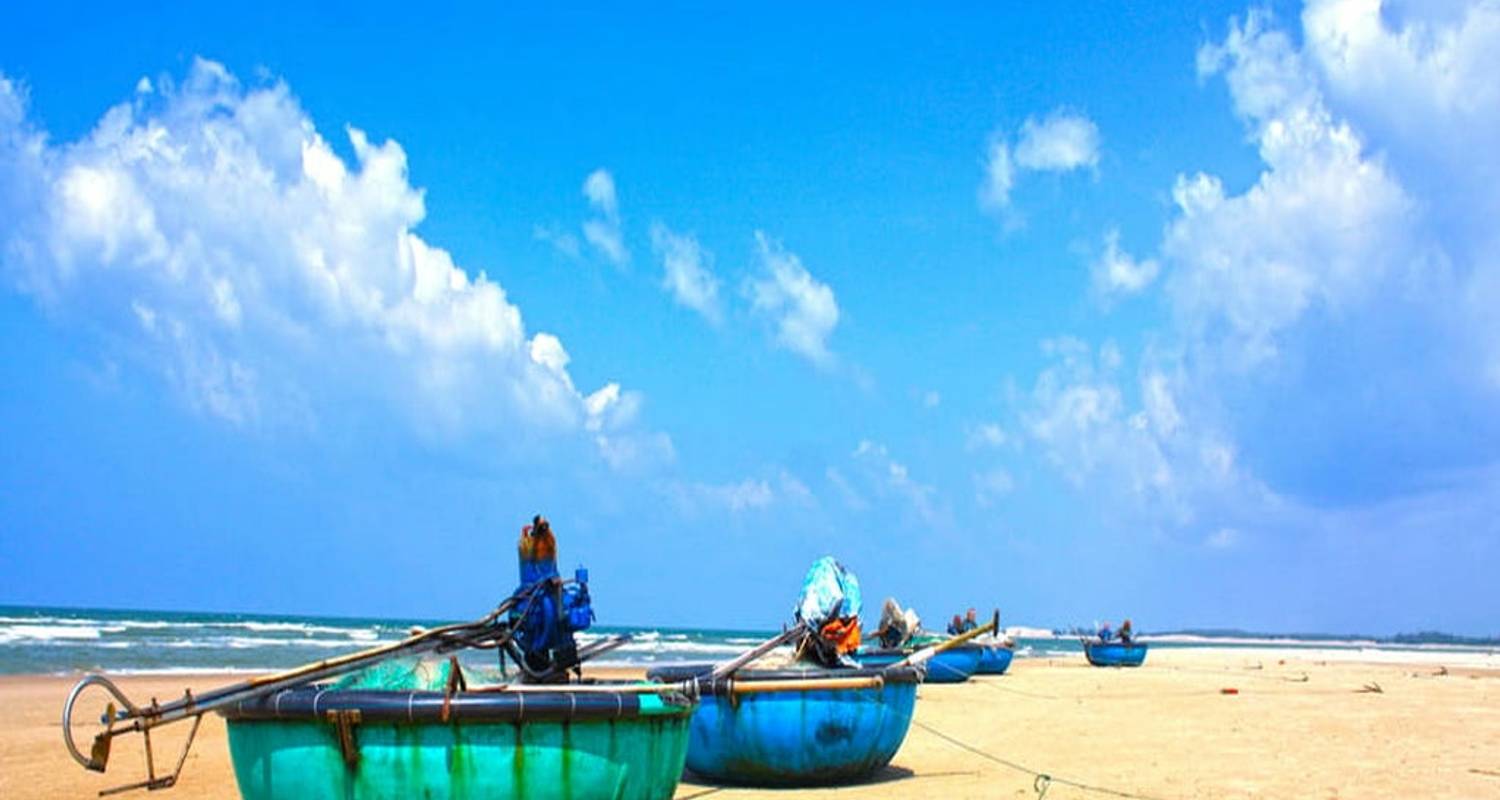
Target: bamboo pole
{"x":729,"y":667}
{"x":925,"y":653}
{"x":806,"y":684}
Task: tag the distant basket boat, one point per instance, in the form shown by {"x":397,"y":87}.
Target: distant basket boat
{"x":311,"y":742}
{"x":1114,"y":654}
{"x":797,"y":727}
{"x":954,"y":665}
{"x":994,"y":660}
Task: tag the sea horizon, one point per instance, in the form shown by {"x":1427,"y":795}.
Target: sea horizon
{"x":65,"y":640}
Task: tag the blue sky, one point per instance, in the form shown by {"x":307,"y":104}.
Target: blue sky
{"x":1177,"y":313}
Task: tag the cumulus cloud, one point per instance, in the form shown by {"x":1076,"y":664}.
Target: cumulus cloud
{"x":801,"y":308}
{"x":1324,"y":327}
{"x":1061,"y":141}
{"x":687,"y":272}
{"x":1100,"y":427}
{"x":1117,"y":273}
{"x":603,"y":230}
{"x":209,"y":230}
{"x":739,"y":497}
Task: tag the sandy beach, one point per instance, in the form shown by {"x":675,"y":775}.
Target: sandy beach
{"x":1302,"y":723}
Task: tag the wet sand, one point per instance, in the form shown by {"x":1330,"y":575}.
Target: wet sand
{"x":1301,"y":724}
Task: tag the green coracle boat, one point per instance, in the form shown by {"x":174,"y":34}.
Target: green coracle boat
{"x":367,"y":737}
{"x":386,"y":723}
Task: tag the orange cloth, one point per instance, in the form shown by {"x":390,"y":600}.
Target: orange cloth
{"x":538,"y":545}
{"x":843,"y":633}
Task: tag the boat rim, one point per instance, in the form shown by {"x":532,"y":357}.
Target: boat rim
{"x":414,"y":707}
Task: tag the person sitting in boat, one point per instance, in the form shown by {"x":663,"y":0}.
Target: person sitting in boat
{"x":1106,"y":633}
{"x":1126,"y":634}
{"x":896,"y":625}
{"x":956,"y":625}
{"x":971,"y":621}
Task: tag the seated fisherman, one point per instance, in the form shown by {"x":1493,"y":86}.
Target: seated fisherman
{"x":896,"y":625}
{"x":1126,"y":634}
{"x":1106,"y":633}
{"x":971,"y":621}
{"x":956,"y":625}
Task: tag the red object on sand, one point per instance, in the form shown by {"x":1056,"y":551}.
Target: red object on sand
{"x":1229,"y":690}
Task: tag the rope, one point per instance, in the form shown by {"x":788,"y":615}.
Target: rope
{"x":1041,"y":781}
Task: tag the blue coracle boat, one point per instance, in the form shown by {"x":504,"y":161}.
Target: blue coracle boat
{"x":954,"y":665}
{"x":1114,"y":654}
{"x":995,"y":659}
{"x":760,"y":735}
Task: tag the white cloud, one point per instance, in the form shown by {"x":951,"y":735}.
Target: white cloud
{"x":738,"y":497}
{"x":854,"y":500}
{"x":1325,"y":321}
{"x":211,"y":232}
{"x":687,"y":272}
{"x":1222,"y":539}
{"x":1116,"y":272}
{"x":603,"y":231}
{"x":802,"y":308}
{"x":999,"y":175}
{"x":1061,"y":141}
{"x":561,"y":241}
{"x":887,"y":476}
{"x":931,"y":399}
{"x":992,"y":485}
{"x":986,"y":435}
{"x":1324,"y":223}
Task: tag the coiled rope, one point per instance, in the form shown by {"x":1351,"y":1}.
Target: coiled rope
{"x":1041,"y":781}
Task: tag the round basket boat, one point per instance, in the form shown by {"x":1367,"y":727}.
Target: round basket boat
{"x":994,"y":659}
{"x":312,"y":743}
{"x":954,"y":665}
{"x":1114,"y":654}
{"x":747,"y":731}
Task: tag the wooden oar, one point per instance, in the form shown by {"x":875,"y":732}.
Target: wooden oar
{"x":134,"y":718}
{"x":689,"y":686}
{"x":928,"y":652}
{"x":798,"y":684}
{"x":729,"y":667}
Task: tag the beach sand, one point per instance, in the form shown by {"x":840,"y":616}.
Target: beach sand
{"x":1300,"y":726}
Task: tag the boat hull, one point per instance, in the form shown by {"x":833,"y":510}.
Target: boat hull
{"x":994,"y":660}
{"x":1114,"y":654}
{"x":954,"y":665}
{"x":548,"y":745}
{"x":798,"y":737}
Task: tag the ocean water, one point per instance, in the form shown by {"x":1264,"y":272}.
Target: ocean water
{"x":63,"y":641}
{"x":57,"y":640}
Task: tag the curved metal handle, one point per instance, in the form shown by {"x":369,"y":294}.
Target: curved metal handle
{"x":99,"y":754}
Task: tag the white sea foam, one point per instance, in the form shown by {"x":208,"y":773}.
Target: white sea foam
{"x":249,"y":642}
{"x":41,"y":633}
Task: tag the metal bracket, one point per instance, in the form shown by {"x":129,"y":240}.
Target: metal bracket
{"x":344,"y":722}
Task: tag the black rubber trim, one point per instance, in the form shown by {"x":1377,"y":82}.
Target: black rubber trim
{"x":682,"y":672}
{"x":398,"y":706}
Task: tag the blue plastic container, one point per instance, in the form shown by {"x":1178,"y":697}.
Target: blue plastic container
{"x":994,"y":660}
{"x":1114,"y":654}
{"x":796,"y":737}
{"x":954,"y":665}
